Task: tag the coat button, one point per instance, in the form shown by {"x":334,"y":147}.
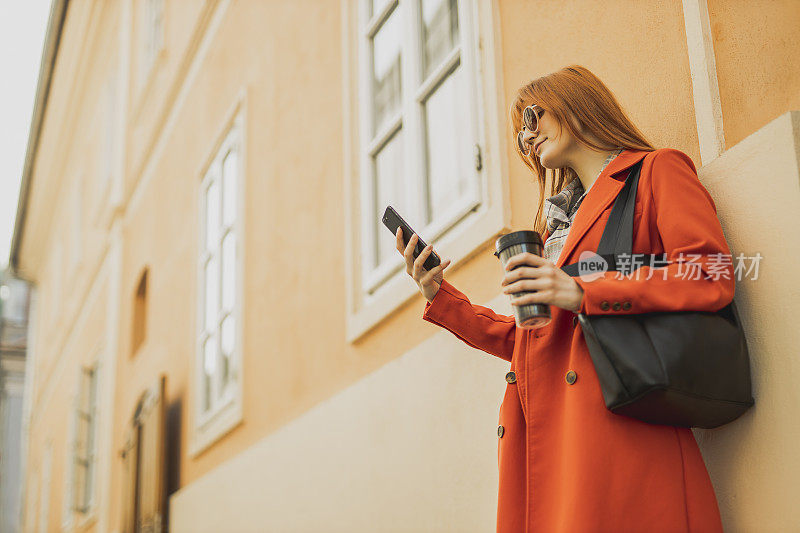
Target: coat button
{"x":571,"y":377}
{"x":500,"y":431}
{"x":511,"y":377}
{"x":617,"y":306}
{"x":626,"y":305}
{"x":604,"y":305}
{"x":574,"y":321}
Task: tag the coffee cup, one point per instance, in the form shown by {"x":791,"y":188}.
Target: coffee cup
{"x":529,"y":316}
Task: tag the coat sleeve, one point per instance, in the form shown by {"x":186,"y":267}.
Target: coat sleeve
{"x":698,"y":275}
{"x":476,"y":325}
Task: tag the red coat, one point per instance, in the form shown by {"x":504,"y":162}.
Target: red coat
{"x":566,"y":463}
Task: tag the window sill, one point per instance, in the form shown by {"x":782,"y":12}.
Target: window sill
{"x":222,"y":421}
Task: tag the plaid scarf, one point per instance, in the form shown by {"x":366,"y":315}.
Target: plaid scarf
{"x":560,"y":211}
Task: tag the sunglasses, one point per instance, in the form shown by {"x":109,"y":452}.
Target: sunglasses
{"x":530,"y":121}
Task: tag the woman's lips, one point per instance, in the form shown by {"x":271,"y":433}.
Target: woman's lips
{"x":538,"y":145}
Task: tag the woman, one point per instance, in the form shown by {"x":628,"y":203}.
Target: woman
{"x":566,"y":463}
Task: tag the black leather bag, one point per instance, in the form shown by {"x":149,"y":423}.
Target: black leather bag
{"x":688,"y":369}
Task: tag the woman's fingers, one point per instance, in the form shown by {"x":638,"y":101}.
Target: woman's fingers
{"x":421,"y":258}
{"x":533,"y":298}
{"x":434,"y":272}
{"x":522,"y":272}
{"x":415,"y":266}
{"x":525,"y":258}
{"x":527,"y":285}
{"x":408,"y":251}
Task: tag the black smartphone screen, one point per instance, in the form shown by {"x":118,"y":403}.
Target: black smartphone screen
{"x":393,"y":220}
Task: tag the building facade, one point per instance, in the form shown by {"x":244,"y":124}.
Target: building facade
{"x":204,"y":187}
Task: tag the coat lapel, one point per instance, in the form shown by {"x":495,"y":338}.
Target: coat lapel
{"x":601,"y":195}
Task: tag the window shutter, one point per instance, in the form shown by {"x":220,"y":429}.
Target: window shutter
{"x":144,"y":497}
{"x":130,"y":460}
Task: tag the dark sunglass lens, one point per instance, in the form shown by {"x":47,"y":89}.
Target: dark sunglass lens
{"x":530,"y":119}
{"x":527,"y":119}
{"x":521,"y":144}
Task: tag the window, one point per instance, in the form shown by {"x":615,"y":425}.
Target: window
{"x":84,"y":460}
{"x":139,"y":330}
{"x":152,"y":35}
{"x":424,"y":130}
{"x":219,"y":266}
{"x":143,"y":456}
{"x":420,"y":151}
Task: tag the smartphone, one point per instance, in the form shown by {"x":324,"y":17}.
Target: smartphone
{"x":393,"y":220}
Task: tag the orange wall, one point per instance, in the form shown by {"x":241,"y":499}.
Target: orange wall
{"x":756,"y":46}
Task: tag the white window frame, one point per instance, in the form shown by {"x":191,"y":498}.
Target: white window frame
{"x":88,"y":513}
{"x":225,"y":412}
{"x":458,"y":232}
{"x":90,"y":505}
{"x":415,"y":90}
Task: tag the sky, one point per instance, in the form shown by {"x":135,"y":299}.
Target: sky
{"x":22,"y":28}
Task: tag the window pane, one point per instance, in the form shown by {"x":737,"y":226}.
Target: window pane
{"x":229,"y":169}
{"x":212,"y":293}
{"x":228,"y":270}
{"x":386,"y":70}
{"x":227,"y":348}
{"x":209,"y":367}
{"x":212,"y":215}
{"x":388,"y":190}
{"x":439,"y":31}
{"x":449,"y":145}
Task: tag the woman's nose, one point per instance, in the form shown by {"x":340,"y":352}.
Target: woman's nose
{"x":528,"y":137}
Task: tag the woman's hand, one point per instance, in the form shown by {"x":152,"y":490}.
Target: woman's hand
{"x":427,"y":281}
{"x":553,"y":285}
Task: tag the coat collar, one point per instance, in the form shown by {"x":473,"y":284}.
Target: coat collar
{"x":560,"y":207}
{"x":601,"y":194}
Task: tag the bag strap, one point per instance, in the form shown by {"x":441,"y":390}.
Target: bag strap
{"x":618,"y":234}
{"x":617,"y":238}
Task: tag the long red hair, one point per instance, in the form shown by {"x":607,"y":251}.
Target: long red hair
{"x":577,"y":91}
